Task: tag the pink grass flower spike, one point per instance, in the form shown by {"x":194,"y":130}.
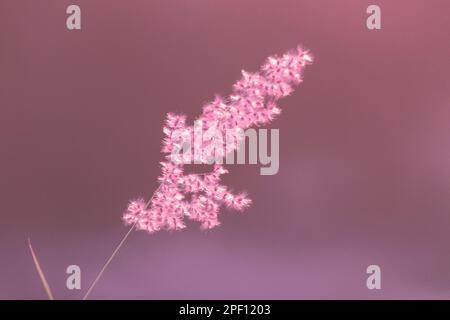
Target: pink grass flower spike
{"x":199,"y":197}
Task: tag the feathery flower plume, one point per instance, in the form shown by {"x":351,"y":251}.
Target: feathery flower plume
{"x":199,"y":197}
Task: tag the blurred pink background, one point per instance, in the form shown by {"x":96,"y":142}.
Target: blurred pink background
{"x":364,"y":161}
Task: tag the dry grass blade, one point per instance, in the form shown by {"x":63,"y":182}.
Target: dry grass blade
{"x":41,"y":273}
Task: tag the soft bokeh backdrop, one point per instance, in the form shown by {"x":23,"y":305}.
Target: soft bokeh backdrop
{"x":365,"y":148}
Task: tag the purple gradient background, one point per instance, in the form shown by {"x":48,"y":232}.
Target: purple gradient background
{"x":364,"y":161}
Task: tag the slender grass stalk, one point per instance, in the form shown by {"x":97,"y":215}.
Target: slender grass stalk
{"x":109,"y":261}
{"x":116,"y":250}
